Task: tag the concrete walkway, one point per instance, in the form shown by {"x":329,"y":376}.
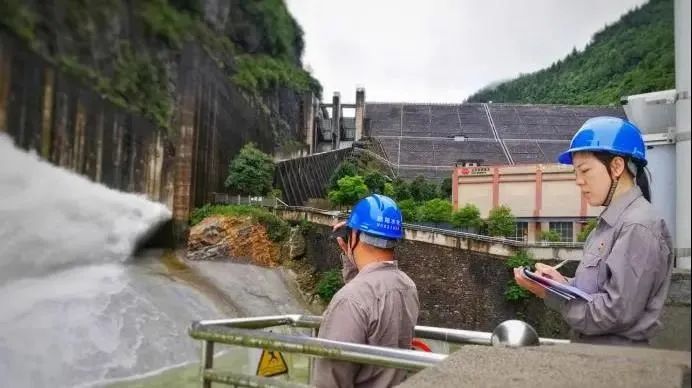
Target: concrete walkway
{"x":573,"y":365}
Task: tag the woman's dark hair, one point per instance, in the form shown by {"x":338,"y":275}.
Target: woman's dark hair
{"x":642,"y":178}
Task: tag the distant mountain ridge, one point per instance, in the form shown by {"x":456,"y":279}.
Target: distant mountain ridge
{"x":634,"y":55}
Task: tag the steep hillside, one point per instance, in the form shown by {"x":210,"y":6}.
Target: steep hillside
{"x":633,"y":55}
{"x":130,"y":51}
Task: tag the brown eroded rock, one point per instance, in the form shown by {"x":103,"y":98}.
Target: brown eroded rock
{"x":237,"y":238}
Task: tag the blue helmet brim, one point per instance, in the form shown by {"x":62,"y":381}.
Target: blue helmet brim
{"x":566,"y":157}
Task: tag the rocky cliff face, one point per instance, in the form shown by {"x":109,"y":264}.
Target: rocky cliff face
{"x":241,"y":239}
{"x":131,"y":51}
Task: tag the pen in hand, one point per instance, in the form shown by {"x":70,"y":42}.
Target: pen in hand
{"x":561,"y":264}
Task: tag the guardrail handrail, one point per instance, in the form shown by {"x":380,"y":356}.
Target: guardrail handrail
{"x":457,"y":336}
{"x":276,"y":203}
{"x":449,"y":232}
{"x":245,"y":332}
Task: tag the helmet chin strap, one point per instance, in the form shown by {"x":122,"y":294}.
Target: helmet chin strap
{"x":633,"y":169}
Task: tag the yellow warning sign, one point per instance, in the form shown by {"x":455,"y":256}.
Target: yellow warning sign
{"x":271,"y":363}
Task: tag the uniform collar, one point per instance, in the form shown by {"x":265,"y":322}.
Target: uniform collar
{"x":378,"y":265}
{"x":613,"y":212}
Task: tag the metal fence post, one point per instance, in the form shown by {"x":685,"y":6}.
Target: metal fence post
{"x":207,"y":361}
{"x":311,"y":360}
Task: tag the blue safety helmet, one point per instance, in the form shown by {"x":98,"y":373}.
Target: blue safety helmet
{"x":377,"y":216}
{"x":608,"y":134}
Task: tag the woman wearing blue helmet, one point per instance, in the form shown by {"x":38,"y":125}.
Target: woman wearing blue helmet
{"x":379,"y":303}
{"x":627,"y":259}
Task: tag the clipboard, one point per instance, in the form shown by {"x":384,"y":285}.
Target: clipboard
{"x":564,"y":291}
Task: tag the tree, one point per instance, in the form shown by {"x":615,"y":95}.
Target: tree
{"x":435,"y":210}
{"x":401,"y":190}
{"x":251,"y":172}
{"x":389,"y":190}
{"x":468,"y":216}
{"x":350,"y":190}
{"x":501,"y":222}
{"x":409,"y":210}
{"x":346,"y":168}
{"x":422,"y":190}
{"x":446,"y":188}
{"x":375,"y":182}
{"x":586,"y":230}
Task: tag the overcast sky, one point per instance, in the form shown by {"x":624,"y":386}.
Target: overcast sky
{"x":440,"y":50}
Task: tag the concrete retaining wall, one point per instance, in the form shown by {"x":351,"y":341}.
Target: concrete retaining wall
{"x":461,"y":281}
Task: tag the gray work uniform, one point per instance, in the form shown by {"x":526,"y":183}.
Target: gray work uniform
{"x":626,"y":267}
{"x":379,"y":306}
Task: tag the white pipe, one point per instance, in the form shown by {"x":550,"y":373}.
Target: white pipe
{"x":682,"y":147}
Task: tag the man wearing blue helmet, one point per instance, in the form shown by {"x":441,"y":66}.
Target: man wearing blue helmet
{"x":628,"y":259}
{"x":378,"y":305}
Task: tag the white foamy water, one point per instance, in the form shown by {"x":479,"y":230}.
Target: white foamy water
{"x":52,"y":218}
{"x":73,"y":309}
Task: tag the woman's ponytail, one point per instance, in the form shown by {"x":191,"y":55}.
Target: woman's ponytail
{"x":642,"y":180}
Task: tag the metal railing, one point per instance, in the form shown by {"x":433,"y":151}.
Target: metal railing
{"x":276,"y":203}
{"x":228,"y":199}
{"x":449,"y":232}
{"x":244,"y":332}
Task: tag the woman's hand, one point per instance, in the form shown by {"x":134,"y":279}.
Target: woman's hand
{"x":550,"y":273}
{"x":528,"y":284}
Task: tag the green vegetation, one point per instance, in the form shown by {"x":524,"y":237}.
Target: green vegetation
{"x":435,"y":210}
{"x":277,"y":229}
{"x":139,"y":81}
{"x":251,"y":172}
{"x":281,"y":36}
{"x":634,"y":55}
{"x":16,"y":16}
{"x":273,"y":66}
{"x":364,"y":177}
{"x":468,"y":216}
{"x":330,"y":282}
{"x":401,"y":190}
{"x":345,"y":168}
{"x":409,"y":210}
{"x":375,"y":182}
{"x":389,"y":189}
{"x":274,"y":60}
{"x":501,"y":222}
{"x":549,"y":235}
{"x":350,"y":190}
{"x":305,"y":227}
{"x":260,"y":73}
{"x":514,"y":293}
{"x":446,"y":187}
{"x":165,"y":21}
{"x":421,"y":190}
{"x":586,"y":230}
